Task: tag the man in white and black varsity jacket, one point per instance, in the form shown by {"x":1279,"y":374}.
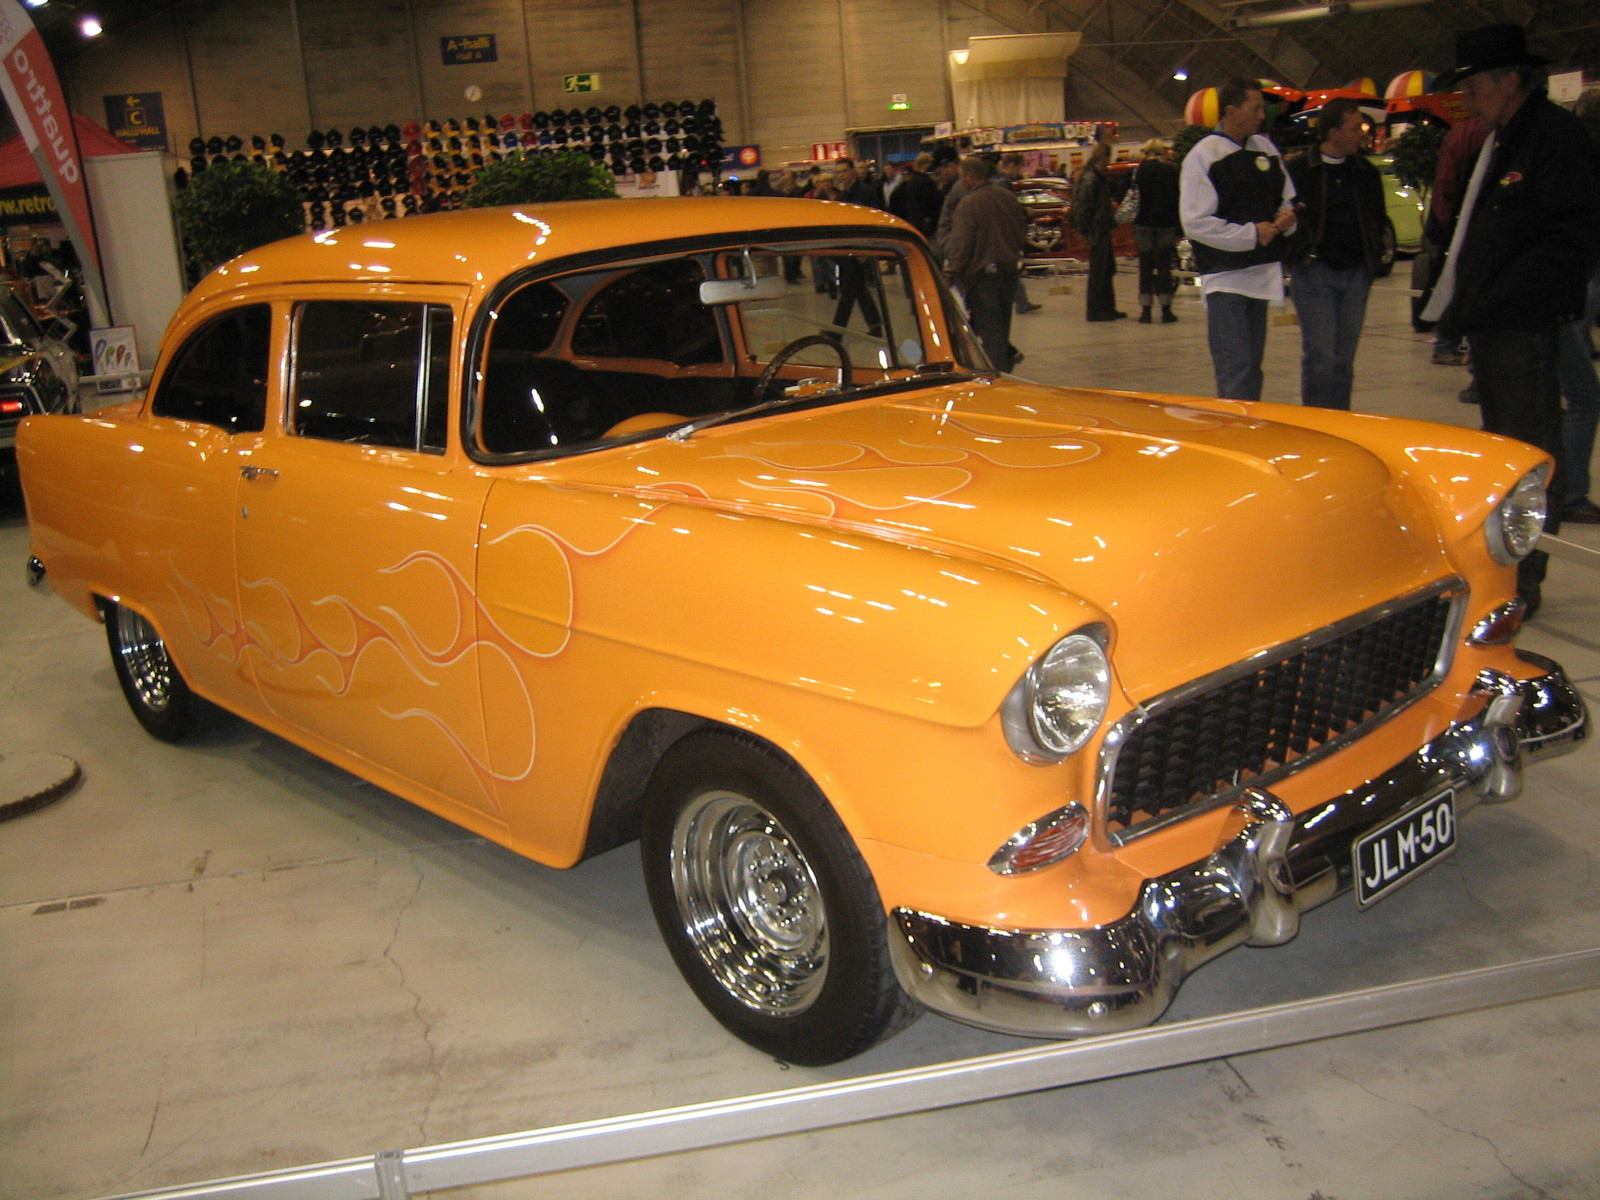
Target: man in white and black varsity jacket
{"x":1236,"y":203}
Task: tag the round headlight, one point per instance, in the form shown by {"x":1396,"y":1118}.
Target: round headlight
{"x":1513,"y":529}
{"x":1059,"y":703}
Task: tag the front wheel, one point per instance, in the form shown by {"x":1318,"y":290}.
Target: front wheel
{"x":766,"y":905}
{"x":154,"y":689}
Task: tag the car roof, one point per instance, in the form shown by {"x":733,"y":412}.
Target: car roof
{"x":479,"y":247}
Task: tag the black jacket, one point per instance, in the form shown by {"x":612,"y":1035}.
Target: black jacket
{"x":1534,"y":234}
{"x":1157,"y":181}
{"x":1311,"y":177}
{"x":917,"y":200}
{"x":1093,"y":211}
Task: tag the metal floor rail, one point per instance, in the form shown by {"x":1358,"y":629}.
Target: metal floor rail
{"x":398,"y":1174}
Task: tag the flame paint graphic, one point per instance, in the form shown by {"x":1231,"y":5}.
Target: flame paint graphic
{"x":336,"y":663}
{"x":823,"y":478}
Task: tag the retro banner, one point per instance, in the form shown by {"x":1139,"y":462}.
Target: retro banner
{"x":40,"y":110}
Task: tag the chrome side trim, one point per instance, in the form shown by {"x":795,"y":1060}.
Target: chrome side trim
{"x":1111,"y":744}
{"x":1252,"y":889}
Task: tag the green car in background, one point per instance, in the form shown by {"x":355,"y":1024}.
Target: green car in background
{"x":1404,"y":204}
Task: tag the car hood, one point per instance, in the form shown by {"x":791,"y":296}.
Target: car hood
{"x":1203,"y":536}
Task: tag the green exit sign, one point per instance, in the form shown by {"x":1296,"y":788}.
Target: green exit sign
{"x":898,"y":102}
{"x":580,"y":83}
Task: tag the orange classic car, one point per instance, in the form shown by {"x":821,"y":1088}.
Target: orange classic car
{"x":919,"y":686}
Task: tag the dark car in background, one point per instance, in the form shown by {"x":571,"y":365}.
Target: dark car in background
{"x":38,"y":373}
{"x":1051,"y":231}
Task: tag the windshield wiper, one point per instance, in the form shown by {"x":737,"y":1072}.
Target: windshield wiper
{"x":923,"y":373}
{"x":685,"y":431}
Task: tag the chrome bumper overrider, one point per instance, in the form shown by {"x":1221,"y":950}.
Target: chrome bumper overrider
{"x":1066,"y":982}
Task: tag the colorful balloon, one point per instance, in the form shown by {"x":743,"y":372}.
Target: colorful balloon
{"x":1365,"y":85}
{"x":1202,"y":108}
{"x":1409,"y":83}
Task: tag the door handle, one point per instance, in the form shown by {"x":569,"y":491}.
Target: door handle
{"x":253,"y":472}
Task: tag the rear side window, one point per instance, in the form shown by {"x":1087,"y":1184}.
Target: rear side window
{"x":375,"y":373}
{"x":219,"y":375}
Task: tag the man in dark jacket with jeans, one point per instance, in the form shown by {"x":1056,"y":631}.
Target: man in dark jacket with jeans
{"x":1337,"y":251}
{"x":1524,"y":244}
{"x":988,"y":234}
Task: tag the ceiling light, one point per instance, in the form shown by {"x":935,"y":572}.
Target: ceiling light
{"x":36,"y":3}
{"x":90,"y":27}
{"x":1180,"y":75}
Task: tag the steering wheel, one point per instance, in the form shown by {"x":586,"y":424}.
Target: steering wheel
{"x":783,"y":356}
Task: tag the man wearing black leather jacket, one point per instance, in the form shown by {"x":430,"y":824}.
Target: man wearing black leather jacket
{"x":1524,"y":244}
{"x":1337,"y":251}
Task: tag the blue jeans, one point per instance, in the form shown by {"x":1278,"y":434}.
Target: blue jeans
{"x":1157,"y":248}
{"x":1236,"y":328}
{"x":1581,"y":389}
{"x":989,"y":298}
{"x":1332,"y":305}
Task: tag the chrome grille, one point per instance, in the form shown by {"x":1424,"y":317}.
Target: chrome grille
{"x":1202,"y":743}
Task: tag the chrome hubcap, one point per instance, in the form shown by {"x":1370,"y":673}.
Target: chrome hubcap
{"x":144,"y":657}
{"x":750,"y":903}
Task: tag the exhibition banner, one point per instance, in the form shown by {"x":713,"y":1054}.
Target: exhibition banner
{"x":27,"y":206}
{"x":40,"y":110}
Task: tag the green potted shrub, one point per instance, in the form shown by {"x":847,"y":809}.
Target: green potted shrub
{"x":533,"y":178}
{"x":232,"y":207}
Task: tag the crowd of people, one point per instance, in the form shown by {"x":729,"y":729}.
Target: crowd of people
{"x":1510,"y":267}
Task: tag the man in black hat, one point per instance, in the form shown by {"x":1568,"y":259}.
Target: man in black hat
{"x":1526,"y":239}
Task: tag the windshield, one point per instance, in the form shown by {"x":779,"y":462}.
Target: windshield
{"x":615,"y":352}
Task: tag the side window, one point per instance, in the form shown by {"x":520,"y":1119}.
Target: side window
{"x":520,"y":374}
{"x":654,"y":312}
{"x":372,"y":372}
{"x":219,"y":376}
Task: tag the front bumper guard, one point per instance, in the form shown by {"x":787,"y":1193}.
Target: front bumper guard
{"x":1252,"y":890}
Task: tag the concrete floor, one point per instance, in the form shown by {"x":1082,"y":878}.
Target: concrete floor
{"x":263,"y":962}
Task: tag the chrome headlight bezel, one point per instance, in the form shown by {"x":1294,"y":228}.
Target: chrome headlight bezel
{"x":1514,"y":527}
{"x":1060,"y":701}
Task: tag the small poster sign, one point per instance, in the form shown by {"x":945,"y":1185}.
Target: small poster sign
{"x":116,"y":358}
{"x":589,"y":81}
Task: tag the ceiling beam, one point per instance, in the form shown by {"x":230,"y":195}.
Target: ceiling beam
{"x":1290,"y":62}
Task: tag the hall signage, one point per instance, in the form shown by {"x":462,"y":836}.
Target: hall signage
{"x":137,"y":118}
{"x":465,"y":48}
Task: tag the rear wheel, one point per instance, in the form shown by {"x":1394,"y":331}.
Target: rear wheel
{"x":767,"y":907}
{"x":156,"y":692}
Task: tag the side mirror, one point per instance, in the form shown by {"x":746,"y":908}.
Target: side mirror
{"x":731,"y":291}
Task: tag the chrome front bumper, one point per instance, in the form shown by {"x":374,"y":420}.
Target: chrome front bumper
{"x":1069,"y":982}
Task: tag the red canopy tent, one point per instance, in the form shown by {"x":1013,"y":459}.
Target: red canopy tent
{"x":21,"y":185}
